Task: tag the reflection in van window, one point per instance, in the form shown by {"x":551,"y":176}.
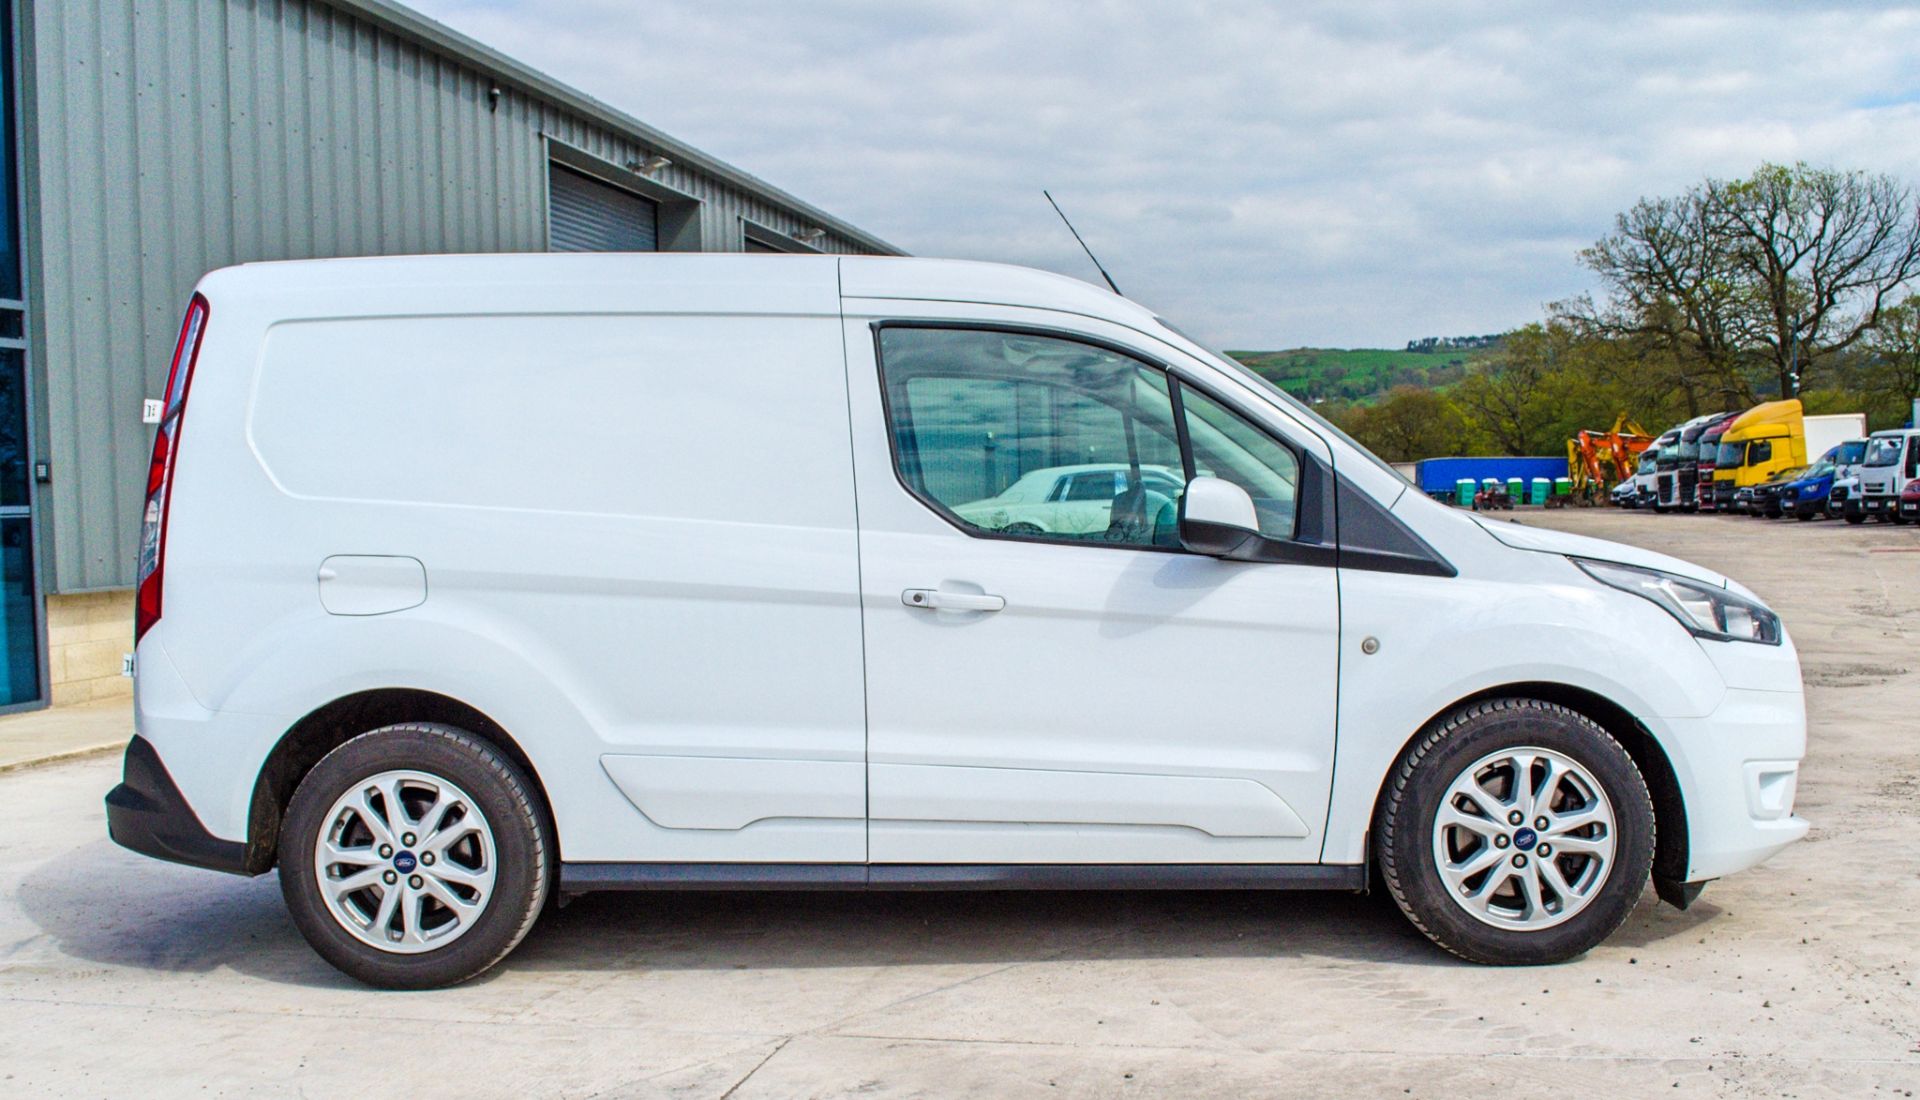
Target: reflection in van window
{"x":1033,"y":436}
{"x":1228,"y":447}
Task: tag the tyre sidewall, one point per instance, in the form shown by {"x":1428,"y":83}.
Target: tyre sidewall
{"x":1488,"y":728}
{"x":503,"y":795}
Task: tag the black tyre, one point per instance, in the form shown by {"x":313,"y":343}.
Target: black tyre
{"x":1491,"y":888}
{"x":415,"y":856}
{"x":1855,"y":517}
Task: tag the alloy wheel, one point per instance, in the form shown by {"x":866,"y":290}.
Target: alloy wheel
{"x":406,"y":862}
{"x":1524,"y":838}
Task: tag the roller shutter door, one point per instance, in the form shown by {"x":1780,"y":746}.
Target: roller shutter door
{"x":585,"y":215}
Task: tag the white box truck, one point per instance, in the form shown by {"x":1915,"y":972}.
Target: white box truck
{"x":1829,"y":430}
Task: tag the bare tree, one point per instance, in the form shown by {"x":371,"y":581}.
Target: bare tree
{"x":1822,"y":252}
{"x":1672,"y":281}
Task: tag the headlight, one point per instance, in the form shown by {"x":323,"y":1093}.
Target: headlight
{"x":1706,"y":610}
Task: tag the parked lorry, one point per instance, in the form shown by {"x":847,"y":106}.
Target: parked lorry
{"x":1892,"y":460}
{"x":1772,"y":437}
{"x":1662,"y":451}
{"x":1709,"y":449}
{"x":1677,"y":466}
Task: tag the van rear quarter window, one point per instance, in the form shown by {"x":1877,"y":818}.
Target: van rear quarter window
{"x":740,"y":419}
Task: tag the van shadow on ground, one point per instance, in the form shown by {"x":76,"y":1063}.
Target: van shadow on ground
{"x":106,"y":906}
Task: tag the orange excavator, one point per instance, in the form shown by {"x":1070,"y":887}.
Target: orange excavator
{"x":1596,"y":461}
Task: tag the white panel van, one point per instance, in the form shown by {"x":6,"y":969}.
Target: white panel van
{"x":471,"y":582}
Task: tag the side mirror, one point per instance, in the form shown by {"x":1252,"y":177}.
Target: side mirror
{"x":1217,"y":518}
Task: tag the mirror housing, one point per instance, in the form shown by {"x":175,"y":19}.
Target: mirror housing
{"x":1217,"y":519}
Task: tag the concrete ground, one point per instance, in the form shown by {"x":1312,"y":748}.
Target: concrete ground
{"x":121,"y":976}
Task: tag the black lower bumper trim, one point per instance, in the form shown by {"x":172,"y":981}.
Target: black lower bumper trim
{"x":584,"y":877}
{"x":148,"y":814}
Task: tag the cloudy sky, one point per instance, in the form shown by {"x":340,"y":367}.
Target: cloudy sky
{"x":1346,"y":174}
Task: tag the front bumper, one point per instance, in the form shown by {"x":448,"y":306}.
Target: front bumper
{"x":148,"y":814}
{"x":1738,"y":770}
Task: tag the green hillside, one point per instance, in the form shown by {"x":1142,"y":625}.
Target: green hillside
{"x":1358,"y":374}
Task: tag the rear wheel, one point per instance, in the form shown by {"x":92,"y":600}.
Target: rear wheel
{"x":414,"y":856}
{"x":1516,"y":832}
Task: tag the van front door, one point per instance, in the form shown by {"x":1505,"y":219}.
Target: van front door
{"x":1050,"y":677}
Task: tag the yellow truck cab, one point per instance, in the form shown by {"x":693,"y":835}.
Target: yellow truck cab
{"x":1758,"y":444}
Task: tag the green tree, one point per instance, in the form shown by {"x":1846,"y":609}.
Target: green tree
{"x":1894,"y":372}
{"x":1410,"y":423}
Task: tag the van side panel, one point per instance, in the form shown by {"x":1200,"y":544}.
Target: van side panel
{"x":637,"y":539}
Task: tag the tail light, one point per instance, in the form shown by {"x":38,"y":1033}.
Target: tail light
{"x":166,"y":445}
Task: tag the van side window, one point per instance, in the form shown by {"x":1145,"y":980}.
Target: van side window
{"x":1226,"y":446}
{"x":1026,"y":436}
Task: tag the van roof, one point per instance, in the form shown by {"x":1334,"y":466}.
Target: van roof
{"x":876,"y":277}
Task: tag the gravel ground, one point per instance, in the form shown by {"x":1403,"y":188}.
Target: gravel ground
{"x":123,"y":976}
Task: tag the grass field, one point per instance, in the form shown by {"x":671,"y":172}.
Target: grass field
{"x":1358,"y":374}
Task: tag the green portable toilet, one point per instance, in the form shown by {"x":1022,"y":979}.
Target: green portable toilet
{"x":1463,"y":491}
{"x":1490,"y":484}
{"x":1541,"y":488}
{"x":1562,"y":486}
{"x":1516,"y":490}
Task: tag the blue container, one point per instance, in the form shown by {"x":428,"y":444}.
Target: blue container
{"x":1443,"y":475}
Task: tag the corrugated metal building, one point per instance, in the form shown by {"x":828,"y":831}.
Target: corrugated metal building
{"x":148,"y":141}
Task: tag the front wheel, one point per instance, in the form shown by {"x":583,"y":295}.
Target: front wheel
{"x":1516,"y":832}
{"x":414,"y":856}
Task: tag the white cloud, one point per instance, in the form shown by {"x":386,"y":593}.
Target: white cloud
{"x":1267,"y":175}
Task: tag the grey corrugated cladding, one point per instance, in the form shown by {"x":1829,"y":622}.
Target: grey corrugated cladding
{"x":165,"y":138}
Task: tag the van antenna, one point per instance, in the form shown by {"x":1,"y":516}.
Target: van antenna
{"x":1083,"y":243}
